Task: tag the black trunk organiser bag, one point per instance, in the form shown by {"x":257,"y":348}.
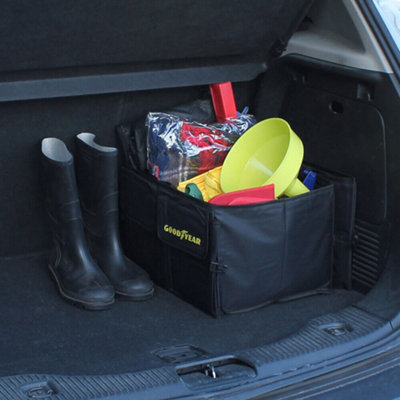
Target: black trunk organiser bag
{"x":227,"y":259}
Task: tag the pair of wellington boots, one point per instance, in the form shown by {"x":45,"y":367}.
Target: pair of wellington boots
{"x":87,"y":262}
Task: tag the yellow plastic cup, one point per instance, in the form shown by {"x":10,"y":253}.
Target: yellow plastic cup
{"x":268,"y":153}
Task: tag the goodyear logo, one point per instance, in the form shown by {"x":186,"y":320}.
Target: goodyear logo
{"x":182,"y":235}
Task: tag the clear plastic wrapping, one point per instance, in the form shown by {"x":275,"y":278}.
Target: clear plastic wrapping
{"x":179,"y":150}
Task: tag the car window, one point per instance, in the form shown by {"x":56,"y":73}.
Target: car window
{"x":389,"y":11}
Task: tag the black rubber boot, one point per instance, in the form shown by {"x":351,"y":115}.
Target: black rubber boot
{"x":97,"y":175}
{"x":78,"y":277}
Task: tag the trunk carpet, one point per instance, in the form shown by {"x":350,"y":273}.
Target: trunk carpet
{"x":41,"y":333}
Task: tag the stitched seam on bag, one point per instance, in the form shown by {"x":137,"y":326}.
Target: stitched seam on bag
{"x":284,"y":256}
{"x":168,"y":267}
{"x":216,"y":286}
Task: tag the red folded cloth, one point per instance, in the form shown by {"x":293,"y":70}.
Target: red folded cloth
{"x":246,"y":196}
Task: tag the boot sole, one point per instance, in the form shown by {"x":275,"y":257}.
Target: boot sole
{"x":130,"y":297}
{"x":92,"y":306}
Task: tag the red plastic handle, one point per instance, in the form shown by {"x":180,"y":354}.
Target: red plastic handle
{"x":223,"y":101}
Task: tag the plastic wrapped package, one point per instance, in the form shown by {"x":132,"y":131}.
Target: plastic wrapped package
{"x":179,"y":150}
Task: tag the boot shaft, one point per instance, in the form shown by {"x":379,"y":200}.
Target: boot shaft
{"x":97,"y":175}
{"x":62,"y":199}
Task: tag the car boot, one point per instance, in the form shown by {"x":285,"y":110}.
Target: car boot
{"x":78,"y":277}
{"x":97,"y":175}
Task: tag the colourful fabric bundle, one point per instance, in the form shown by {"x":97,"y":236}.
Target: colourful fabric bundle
{"x":179,"y":150}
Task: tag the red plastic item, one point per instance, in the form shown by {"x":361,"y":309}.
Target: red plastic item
{"x":223,"y":101}
{"x":246,"y":196}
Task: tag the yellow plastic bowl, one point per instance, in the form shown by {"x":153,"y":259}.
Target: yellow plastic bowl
{"x":269,"y":152}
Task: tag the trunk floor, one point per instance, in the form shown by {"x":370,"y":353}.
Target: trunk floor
{"x":41,"y":333}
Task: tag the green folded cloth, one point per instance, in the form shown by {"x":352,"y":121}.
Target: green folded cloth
{"x":192,"y":190}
